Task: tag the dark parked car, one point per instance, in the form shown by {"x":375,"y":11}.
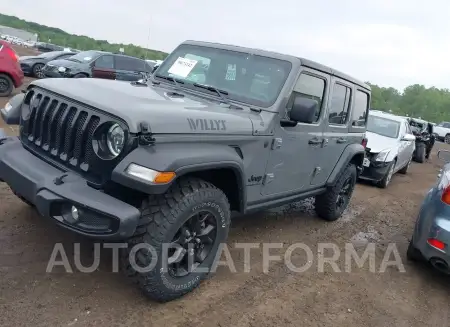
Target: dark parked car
{"x":99,"y":64}
{"x":431,"y":236}
{"x":32,"y":65}
{"x":11,"y":75}
{"x":48,"y":47}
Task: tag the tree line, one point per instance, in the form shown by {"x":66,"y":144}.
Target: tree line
{"x":80,"y":42}
{"x":431,"y":104}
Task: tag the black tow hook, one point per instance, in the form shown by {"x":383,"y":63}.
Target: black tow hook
{"x":60,"y":180}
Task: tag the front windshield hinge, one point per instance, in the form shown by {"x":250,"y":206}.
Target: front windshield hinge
{"x":145,"y":136}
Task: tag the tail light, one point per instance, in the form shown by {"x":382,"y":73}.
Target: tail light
{"x":364,"y":142}
{"x":10,"y":52}
{"x":436,"y":243}
{"x":446,"y":195}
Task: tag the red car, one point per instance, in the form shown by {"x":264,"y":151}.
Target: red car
{"x":11,"y":75}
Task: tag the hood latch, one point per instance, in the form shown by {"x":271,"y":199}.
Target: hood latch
{"x":146,"y":135}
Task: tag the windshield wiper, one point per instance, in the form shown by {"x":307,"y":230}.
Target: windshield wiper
{"x":176,"y":81}
{"x":221,"y":93}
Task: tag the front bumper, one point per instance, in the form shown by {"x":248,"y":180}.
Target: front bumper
{"x":375,"y":172}
{"x":102,"y":216}
{"x":27,"y":70}
{"x":52,"y":74}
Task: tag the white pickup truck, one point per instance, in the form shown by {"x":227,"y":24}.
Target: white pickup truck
{"x":442,"y":131}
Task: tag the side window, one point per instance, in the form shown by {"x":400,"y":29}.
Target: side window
{"x":447,"y":125}
{"x":106,"y":62}
{"x":408,"y":129}
{"x":339,"y":105}
{"x":360,"y":110}
{"x":130,"y":64}
{"x":310,"y":87}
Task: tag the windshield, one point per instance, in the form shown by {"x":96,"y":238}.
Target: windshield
{"x":85,"y":56}
{"x":252,"y":79}
{"x":383,"y":126}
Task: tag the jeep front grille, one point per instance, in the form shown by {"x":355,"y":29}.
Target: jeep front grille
{"x":62,"y":130}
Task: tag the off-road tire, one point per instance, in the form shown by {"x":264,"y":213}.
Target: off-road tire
{"x":404,"y":170}
{"x":325,"y":204}
{"x":420,"y":153}
{"x":161,"y":217}
{"x":384,"y":183}
{"x":412,"y":254}
{"x":36,"y":72}
{"x":9,"y":85}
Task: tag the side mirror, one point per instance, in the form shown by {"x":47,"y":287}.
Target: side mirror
{"x":11,"y":112}
{"x":444,"y":155}
{"x":303,"y":110}
{"x":408,"y":137}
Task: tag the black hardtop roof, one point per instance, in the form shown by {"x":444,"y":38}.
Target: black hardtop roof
{"x":305,"y":62}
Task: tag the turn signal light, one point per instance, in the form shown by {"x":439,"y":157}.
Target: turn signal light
{"x":436,"y":244}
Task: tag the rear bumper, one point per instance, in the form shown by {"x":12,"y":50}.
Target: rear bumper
{"x":433,"y":222}
{"x":17,"y":76}
{"x":101,"y":216}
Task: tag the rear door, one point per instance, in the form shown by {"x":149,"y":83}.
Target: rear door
{"x":336,"y":131}
{"x":104,"y":67}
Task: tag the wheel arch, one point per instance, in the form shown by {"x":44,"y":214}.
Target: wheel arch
{"x":354,"y":154}
{"x":221,"y":165}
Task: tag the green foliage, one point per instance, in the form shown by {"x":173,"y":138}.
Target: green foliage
{"x":80,"y":42}
{"x":431,"y":104}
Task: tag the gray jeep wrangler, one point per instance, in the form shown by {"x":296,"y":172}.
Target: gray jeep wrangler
{"x":163,"y":162}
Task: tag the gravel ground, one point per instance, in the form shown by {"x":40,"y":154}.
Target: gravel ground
{"x":417,"y":296}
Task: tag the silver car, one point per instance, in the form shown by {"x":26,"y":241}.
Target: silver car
{"x":389,"y":149}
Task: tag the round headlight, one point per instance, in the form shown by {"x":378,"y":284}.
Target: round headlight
{"x":62,"y":69}
{"x":115,"y":139}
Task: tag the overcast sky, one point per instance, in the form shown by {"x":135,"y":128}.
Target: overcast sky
{"x":387,"y":42}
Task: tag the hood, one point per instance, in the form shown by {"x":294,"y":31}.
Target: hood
{"x":377,"y":143}
{"x":23,"y":58}
{"x":63,"y":63}
{"x":153,"y":104}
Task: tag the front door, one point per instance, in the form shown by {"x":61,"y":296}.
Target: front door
{"x":104,"y":67}
{"x":293,"y":160}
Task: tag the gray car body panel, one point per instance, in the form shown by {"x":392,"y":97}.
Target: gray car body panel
{"x":194,"y":132}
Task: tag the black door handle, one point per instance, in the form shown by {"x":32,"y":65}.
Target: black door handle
{"x":314,"y":141}
{"x":341,"y":140}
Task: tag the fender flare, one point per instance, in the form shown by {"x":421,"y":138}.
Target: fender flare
{"x":353,"y":152}
{"x":181,"y":158}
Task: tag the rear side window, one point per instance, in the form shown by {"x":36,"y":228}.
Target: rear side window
{"x":339,"y":105}
{"x":131,"y":64}
{"x":361,"y":108}
{"x":310,"y":87}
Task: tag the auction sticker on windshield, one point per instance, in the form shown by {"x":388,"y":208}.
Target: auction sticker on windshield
{"x":182,"y":67}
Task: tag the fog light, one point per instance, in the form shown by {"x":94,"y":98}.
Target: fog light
{"x":75,"y":213}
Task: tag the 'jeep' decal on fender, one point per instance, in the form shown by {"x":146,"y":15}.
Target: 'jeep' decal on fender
{"x":207,"y":124}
